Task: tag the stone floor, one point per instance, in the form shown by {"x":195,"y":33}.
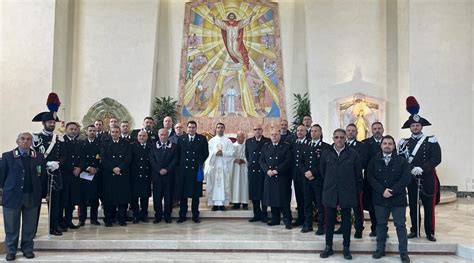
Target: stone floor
{"x":236,"y":240}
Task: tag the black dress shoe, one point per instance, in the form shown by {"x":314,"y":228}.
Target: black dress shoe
{"x":245,"y":207}
{"x":358,"y":234}
{"x":254,"y":219}
{"x":431,"y":237}
{"x":95,"y":222}
{"x":215,"y":208}
{"x":405,"y":258}
{"x":412,"y":235}
{"x":378,"y":254}
{"x":61,"y":229}
{"x":196,"y":220}
{"x":273,"y":223}
{"x":306,"y":229}
{"x":296,"y":223}
{"x":181,"y":220}
{"x":135,"y":221}
{"x":168,"y":220}
{"x":222,"y":208}
{"x":72,"y":226}
{"x":346,"y":253}
{"x":10,"y":257}
{"x":108,"y":224}
{"x":144,"y":220}
{"x":264,"y":220}
{"x":288,"y":226}
{"x":327,"y":252}
{"x":320,"y":231}
{"x":29,"y":254}
{"x":82,"y":223}
{"x":338,"y":232}
{"x":122,"y":223}
{"x":55,"y":233}
{"x":235,"y":207}
{"x":372,"y":234}
{"x":157,"y":220}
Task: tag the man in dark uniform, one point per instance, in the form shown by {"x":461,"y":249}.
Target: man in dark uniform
{"x":275,"y":162}
{"x":125,"y":132}
{"x":178,"y":131}
{"x":148,"y":124}
{"x":313,"y":181}
{"x":389,"y":175}
{"x":70,"y":170}
{"x":168,"y":125}
{"x":352,"y":142}
{"x":105,"y":136}
{"x":286,"y":135}
{"x":424,"y":154}
{"x":297,"y":172}
{"x":253,"y":150}
{"x":116,"y":157}
{"x":163,"y":160}
{"x":193,"y":150}
{"x":90,"y":148}
{"x":342,"y":180}
{"x":307,"y":122}
{"x":51,"y":146}
{"x":22,"y":171}
{"x":100,"y":129}
{"x":140,"y":175}
{"x":373,"y":147}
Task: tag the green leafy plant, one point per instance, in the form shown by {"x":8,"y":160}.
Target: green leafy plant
{"x":164,"y":106}
{"x":301,"y":108}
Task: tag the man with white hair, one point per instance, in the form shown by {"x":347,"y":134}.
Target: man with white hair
{"x":240,"y":181}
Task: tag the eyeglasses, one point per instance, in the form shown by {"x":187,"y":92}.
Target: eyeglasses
{"x":339,"y":137}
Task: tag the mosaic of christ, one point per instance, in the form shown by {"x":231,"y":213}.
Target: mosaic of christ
{"x":231,"y":63}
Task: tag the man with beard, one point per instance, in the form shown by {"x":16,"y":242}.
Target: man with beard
{"x":253,"y":151}
{"x":373,"y":148}
{"x":140,"y":173}
{"x":51,"y":146}
{"x":389,"y":175}
{"x":148,"y":124}
{"x":192,"y":151}
{"x":90,"y":148}
{"x":286,"y":135}
{"x":423,"y":154}
{"x":116,"y":157}
{"x":71,"y":169}
{"x":125,"y":132}
{"x":275,"y":162}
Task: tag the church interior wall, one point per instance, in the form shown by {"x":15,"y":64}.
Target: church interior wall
{"x":131,"y":53}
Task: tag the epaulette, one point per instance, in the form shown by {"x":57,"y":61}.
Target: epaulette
{"x":35,"y":137}
{"x":402,"y":141}
{"x":432,"y":139}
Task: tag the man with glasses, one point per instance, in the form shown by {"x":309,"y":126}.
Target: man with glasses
{"x":253,"y":150}
{"x":342,"y":176}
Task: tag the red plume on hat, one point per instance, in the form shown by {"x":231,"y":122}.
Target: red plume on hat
{"x":53,"y":104}
{"x":413,"y":107}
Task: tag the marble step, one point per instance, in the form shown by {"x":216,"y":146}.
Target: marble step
{"x":220,"y":245}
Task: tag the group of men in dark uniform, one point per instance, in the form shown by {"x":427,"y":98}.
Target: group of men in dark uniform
{"x":124,"y":169}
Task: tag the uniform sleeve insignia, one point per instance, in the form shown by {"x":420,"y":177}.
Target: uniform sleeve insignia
{"x":35,"y":137}
{"x":432,"y":139}
{"x":402,"y":141}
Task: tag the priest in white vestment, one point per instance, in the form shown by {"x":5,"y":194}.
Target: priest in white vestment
{"x":218,"y":170}
{"x":240,"y":182}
